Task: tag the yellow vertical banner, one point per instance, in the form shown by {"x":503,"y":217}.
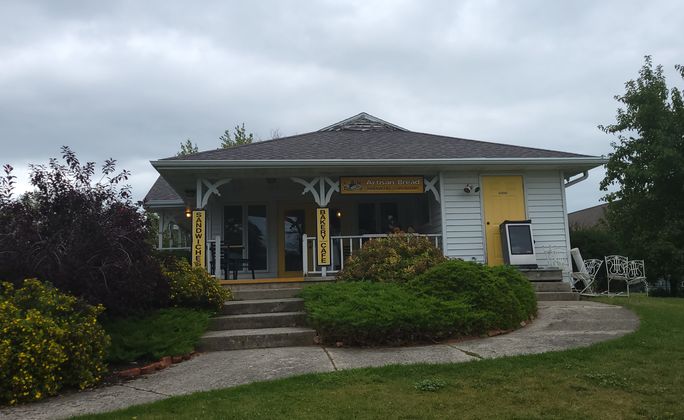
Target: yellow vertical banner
{"x":198,"y":240}
{"x":323,"y":236}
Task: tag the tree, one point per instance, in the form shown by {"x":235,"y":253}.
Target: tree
{"x":646,"y":213}
{"x":83,"y":235}
{"x":187,"y":148}
{"x":239,"y":138}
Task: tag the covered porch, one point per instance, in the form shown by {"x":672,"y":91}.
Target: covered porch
{"x":265,"y":228}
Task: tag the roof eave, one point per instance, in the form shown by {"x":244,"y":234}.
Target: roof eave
{"x":163,"y":203}
{"x":308,"y":163}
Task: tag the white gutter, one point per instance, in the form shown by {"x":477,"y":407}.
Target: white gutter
{"x":278,"y":163}
{"x":570,"y":183}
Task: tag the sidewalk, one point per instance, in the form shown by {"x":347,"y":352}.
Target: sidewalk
{"x":559,"y":326}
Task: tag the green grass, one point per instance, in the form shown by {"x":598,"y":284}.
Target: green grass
{"x":640,"y":375}
{"x":166,"y":332}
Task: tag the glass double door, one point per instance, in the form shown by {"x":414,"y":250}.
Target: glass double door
{"x":294,"y":221}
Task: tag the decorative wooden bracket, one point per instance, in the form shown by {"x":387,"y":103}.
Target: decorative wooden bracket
{"x":212,"y":188}
{"x":431,"y":185}
{"x":325,"y":190}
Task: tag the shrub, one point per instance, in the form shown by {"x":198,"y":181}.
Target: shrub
{"x":165,"y":332}
{"x":502,"y":295}
{"x":520,"y":285}
{"x":86,"y":236}
{"x":49,"y":340}
{"x":367,"y":313}
{"x":193,"y":287}
{"x":396,"y":258}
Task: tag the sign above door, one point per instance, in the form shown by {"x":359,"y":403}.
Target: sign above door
{"x":381,"y":185}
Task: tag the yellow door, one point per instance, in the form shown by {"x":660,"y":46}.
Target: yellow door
{"x":503,"y":198}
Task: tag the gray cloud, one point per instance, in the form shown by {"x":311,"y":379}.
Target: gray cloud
{"x":131,"y":80}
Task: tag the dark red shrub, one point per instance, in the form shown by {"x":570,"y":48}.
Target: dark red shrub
{"x":87,"y":237}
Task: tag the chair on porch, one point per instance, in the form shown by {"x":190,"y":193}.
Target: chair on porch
{"x":617,"y":269}
{"x":232,"y":261}
{"x":585,"y":276}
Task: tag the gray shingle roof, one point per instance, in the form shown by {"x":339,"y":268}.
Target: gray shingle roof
{"x":161,"y":190}
{"x":366,"y":137}
{"x":362,"y":136}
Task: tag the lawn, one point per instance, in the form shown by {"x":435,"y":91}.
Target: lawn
{"x":640,"y":375}
{"x":166,"y":332}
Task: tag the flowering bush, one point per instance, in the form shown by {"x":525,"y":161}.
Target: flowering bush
{"x":396,"y":258}
{"x":49,"y":340}
{"x":193,"y":287}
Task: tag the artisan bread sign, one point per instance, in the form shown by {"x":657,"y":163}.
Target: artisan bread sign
{"x":381,"y":185}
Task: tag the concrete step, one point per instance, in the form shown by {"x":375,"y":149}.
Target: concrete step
{"x":544,"y":296}
{"x":264,"y":286}
{"x":252,"y":321}
{"x":260,"y":306}
{"x":258,"y":294}
{"x":551,"y":286}
{"x":543,"y":274}
{"x":256,"y":338}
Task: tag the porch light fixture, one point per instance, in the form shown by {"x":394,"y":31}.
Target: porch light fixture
{"x":338,"y":214}
{"x":471,"y":189}
{"x":188,"y":213}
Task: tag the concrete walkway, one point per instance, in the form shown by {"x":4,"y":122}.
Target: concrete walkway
{"x":560,"y":325}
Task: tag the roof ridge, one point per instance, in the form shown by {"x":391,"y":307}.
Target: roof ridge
{"x":348,"y":122}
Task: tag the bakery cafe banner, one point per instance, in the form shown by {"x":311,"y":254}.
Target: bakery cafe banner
{"x":381,"y":185}
{"x":323,"y":234}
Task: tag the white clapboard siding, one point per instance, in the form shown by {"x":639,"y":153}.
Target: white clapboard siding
{"x":462,"y":218}
{"x":435,"y":225}
{"x":545,"y":197}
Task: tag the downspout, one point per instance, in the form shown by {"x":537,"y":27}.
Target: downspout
{"x":570,"y":183}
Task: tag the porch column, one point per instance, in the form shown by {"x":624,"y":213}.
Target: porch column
{"x":160,"y":234}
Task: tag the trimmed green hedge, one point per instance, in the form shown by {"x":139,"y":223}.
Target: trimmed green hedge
{"x":502,"y":292}
{"x":364,"y":313}
{"x":455,"y":298}
{"x":165,"y":332}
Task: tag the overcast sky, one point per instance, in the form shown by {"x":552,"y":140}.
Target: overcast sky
{"x":131,"y":80}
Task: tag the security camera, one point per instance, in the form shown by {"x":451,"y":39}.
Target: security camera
{"x":470,"y":189}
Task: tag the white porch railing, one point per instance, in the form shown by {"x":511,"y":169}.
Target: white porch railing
{"x":342,"y":248}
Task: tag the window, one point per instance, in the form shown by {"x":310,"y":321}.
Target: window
{"x":246,"y":224}
{"x":520,"y":239}
{"x":257,"y":239}
{"x":232,"y":235}
{"x":367,"y":218}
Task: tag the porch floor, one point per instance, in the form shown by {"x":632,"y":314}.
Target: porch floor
{"x":266,"y":280}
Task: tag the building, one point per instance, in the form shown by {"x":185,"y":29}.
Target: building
{"x":588,"y":218}
{"x":374,"y":177}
